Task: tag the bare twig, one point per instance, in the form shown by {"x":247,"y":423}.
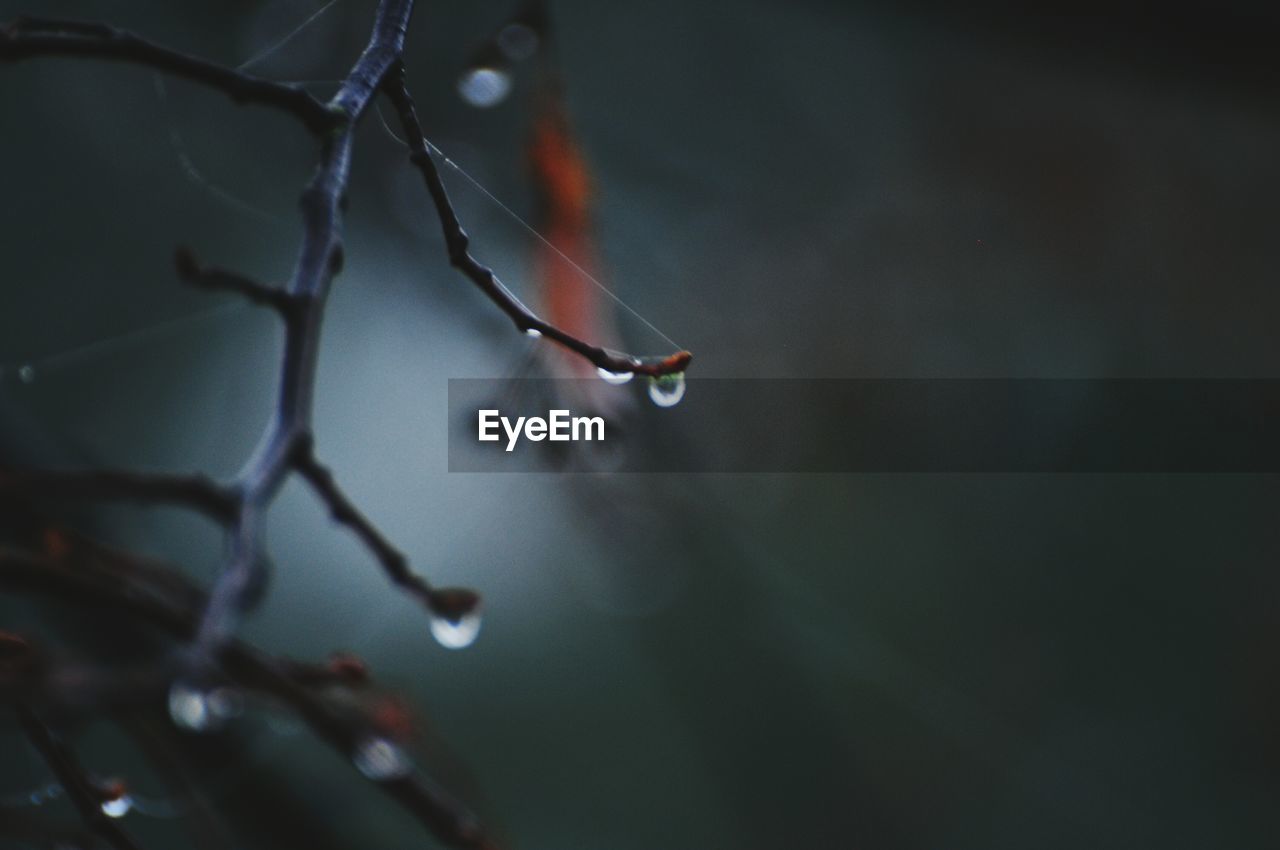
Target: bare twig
{"x":26,"y":38}
{"x":447,"y":819}
{"x":319,"y":258}
{"x":345,"y":512}
{"x":205,"y":277}
{"x":79,"y":787}
{"x":457,"y":242}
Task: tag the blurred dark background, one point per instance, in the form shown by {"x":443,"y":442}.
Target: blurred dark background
{"x":813,"y":189}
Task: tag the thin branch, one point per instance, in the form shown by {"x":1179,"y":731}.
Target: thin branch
{"x":319,"y":259}
{"x":216,"y":279}
{"x":457,"y":242}
{"x":25,"y":38}
{"x":68,"y":771}
{"x":196,"y":492}
{"x":345,"y":512}
{"x":249,"y":668}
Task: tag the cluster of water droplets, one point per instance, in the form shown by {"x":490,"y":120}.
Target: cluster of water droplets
{"x":664,"y":390}
{"x":197,"y":709}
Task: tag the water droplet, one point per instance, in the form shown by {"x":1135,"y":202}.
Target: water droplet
{"x":117,"y":807}
{"x":484,"y":87}
{"x":26,"y":373}
{"x":189,"y":708}
{"x":615,"y":377}
{"x":380,"y":760}
{"x":667,"y":390}
{"x":456,"y":634}
{"x":518,"y":41}
{"x":455,"y":616}
{"x":533,"y":332}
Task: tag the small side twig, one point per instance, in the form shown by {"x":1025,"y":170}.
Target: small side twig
{"x":25,"y":38}
{"x":344,"y":511}
{"x":221,"y":280}
{"x":457,"y":242}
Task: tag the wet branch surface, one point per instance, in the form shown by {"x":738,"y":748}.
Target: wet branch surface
{"x":82,"y":581}
{"x":203,"y":624}
{"x":458,"y":244}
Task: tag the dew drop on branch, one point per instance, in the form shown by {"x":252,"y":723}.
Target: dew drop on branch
{"x":614,"y":377}
{"x":484,"y":87}
{"x":379,"y":760}
{"x":455,"y":616}
{"x":667,"y":390}
{"x":532,"y":332}
{"x":456,"y":633}
{"x":117,"y":807}
{"x":115,"y":799}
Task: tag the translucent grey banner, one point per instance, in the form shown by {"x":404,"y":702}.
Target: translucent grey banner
{"x":840,"y":426}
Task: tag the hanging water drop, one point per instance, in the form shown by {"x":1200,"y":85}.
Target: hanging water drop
{"x":484,"y":87}
{"x":667,"y":390}
{"x":189,"y":708}
{"x":532,"y":332}
{"x":117,"y":807}
{"x":380,"y":760}
{"x":455,"y":616}
{"x":456,"y":633}
{"x":114,"y":794}
{"x":614,"y":377}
